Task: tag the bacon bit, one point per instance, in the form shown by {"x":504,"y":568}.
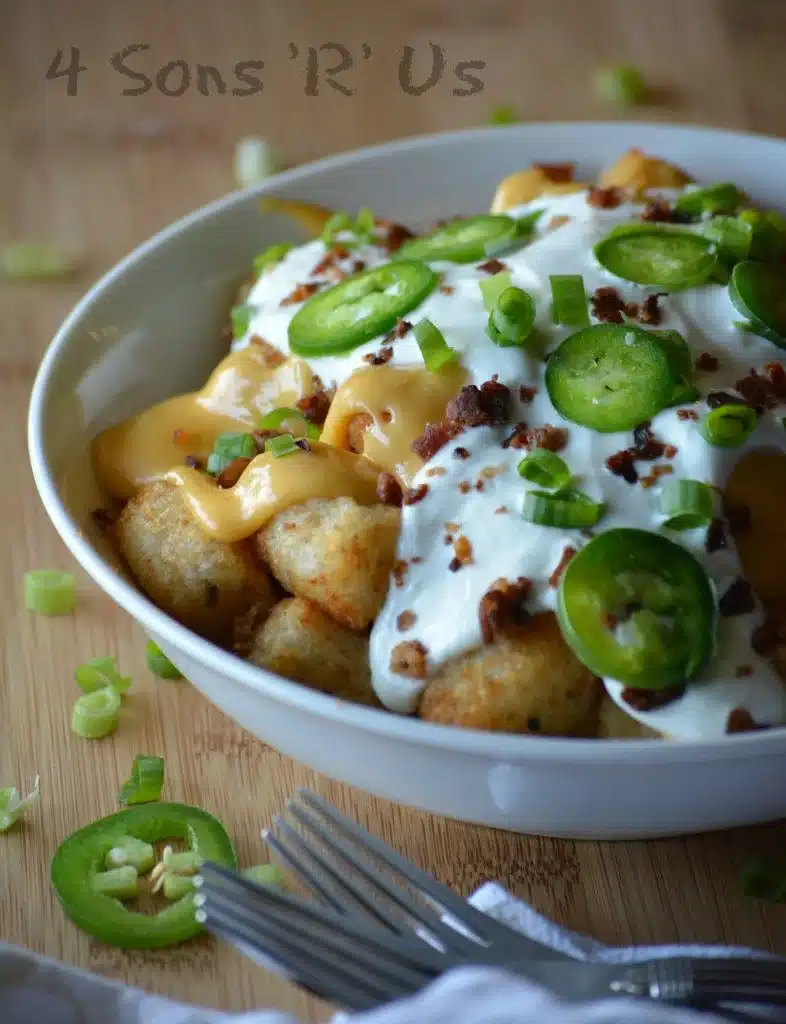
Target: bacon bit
{"x":501,"y":510}
{"x":527,"y":393}
{"x":399,"y":331}
{"x":657,"y":472}
{"x":232,"y":472}
{"x":389,"y":490}
{"x":648,"y":700}
{"x":764,"y":391}
{"x":519,"y":438}
{"x":406,"y":620}
{"x":436,"y":471}
{"x":645,"y":445}
{"x":650,"y":312}
{"x":465,"y":487}
{"x":384,"y":355}
{"x":329,"y":260}
{"x":454,"y":564}
{"x":409,"y":659}
{"x":487,"y":405}
{"x":358,"y":266}
{"x":687,"y":414}
{"x":462,"y":549}
{"x":103,"y":518}
{"x":399,"y":571}
{"x":503,"y":605}
{"x":738,"y":600}
{"x":489,"y":472}
{"x":560,"y":567}
{"x":433,"y":439}
{"x":707,"y":362}
{"x":557,"y":174}
{"x":479,"y":485}
{"x":416,"y":560}
{"x":460,"y":453}
{"x":396,"y":236}
{"x":657,"y":211}
{"x":670,"y":451}
{"x":741,"y":720}
{"x":743,"y":671}
{"x":301,"y":293}
{"x":447,"y":289}
{"x":335,"y":274}
{"x":739,"y":518}
{"x":716,"y":537}
{"x":622,"y":464}
{"x":608,"y":305}
{"x":316,"y":406}
{"x":604,"y":198}
{"x":553,"y":439}
{"x":493,"y":266}
{"x":182,"y":437}
{"x":413,"y":495}
{"x":557,"y":222}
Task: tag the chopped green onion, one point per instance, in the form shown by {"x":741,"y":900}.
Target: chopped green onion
{"x":25,"y":261}
{"x":146,"y":782}
{"x":723,"y":198}
{"x":621,"y":84}
{"x":435,"y":350}
{"x":255,"y":160}
{"x":284,"y":444}
{"x":95,"y":714}
{"x":729,"y":425}
{"x":339,"y":222}
{"x":229,"y":447}
{"x":13,"y":806}
{"x":360,"y":230}
{"x":567,"y":509}
{"x":569,"y":300}
{"x":159,"y":664}
{"x":97,"y":673}
{"x":133,"y":851}
{"x":264,"y":874}
{"x":512,"y":318}
{"x":764,"y":879}
{"x":492,"y":287}
{"x":240,"y":316}
{"x":544,"y":468}
{"x":687,"y":504}
{"x":175,"y":887}
{"x":270,"y":257}
{"x":50,"y":592}
{"x":732,"y":235}
{"x":364,"y":224}
{"x":504,"y":113}
{"x":121,"y":883}
{"x":283,"y":416}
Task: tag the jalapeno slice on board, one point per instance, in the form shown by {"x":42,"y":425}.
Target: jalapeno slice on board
{"x":360,"y":308}
{"x":82,"y":857}
{"x":463,"y":241}
{"x":758,"y":292}
{"x":662,"y":257}
{"x":610,"y":377}
{"x":636,"y":607}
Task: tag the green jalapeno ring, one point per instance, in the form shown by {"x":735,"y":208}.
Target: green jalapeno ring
{"x":658,"y":255}
{"x":463,"y":241}
{"x":758,"y":293}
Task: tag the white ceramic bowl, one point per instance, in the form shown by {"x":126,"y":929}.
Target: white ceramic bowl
{"x":150,"y":328}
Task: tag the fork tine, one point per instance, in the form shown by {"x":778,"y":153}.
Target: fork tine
{"x":301,"y":870}
{"x":482,"y":925}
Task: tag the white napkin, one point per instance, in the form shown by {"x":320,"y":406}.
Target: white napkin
{"x":33,"y":989}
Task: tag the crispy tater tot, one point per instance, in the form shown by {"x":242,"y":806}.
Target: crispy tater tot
{"x":336,"y":553}
{"x":531,"y":183}
{"x":203,"y":583}
{"x":614,"y":724}
{"x":527,"y":680}
{"x":635,"y":170}
{"x":300,"y":642}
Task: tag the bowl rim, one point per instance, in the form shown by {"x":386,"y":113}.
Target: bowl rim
{"x":479,"y":743}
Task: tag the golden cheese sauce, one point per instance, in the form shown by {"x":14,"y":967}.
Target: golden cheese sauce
{"x":761,"y":539}
{"x":269,"y":485}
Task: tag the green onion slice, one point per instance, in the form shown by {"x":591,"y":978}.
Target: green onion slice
{"x":435,"y":350}
{"x":229,"y":447}
{"x":13,"y":806}
{"x":146,"y":782}
{"x":270,"y":257}
{"x":255,"y":160}
{"x":291,"y":418}
{"x":282,"y":445}
{"x":26,"y":261}
{"x":512,"y":319}
{"x":569,"y":300}
{"x":492,"y":287}
{"x":50,"y":592}
{"x":545,"y":469}
{"x":687,"y":504}
{"x":240,"y":317}
{"x":723,"y":198}
{"x":120,"y":883}
{"x":729,"y":425}
{"x":98,"y":673}
{"x":360,"y":230}
{"x":264,"y":874}
{"x":503,"y":113}
{"x":621,"y":84}
{"x":95,"y":714}
{"x":567,"y":509}
{"x":159,"y":664}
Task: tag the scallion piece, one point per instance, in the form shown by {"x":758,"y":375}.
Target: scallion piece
{"x":270,"y":257}
{"x":503,"y":113}
{"x":121,"y":883}
{"x":13,"y":806}
{"x":98,"y":673}
{"x":363,"y":227}
{"x":229,"y":447}
{"x":569,"y":300}
{"x":146,"y":782}
{"x":334,"y":225}
{"x":240,"y":318}
{"x":729,"y":425}
{"x":723,"y":198}
{"x":621,"y":84}
{"x":159,"y":664}
{"x":95,"y":714}
{"x":26,"y":261}
{"x":133,"y":851}
{"x":282,"y":445}
{"x":354,"y":232}
{"x":512,"y":318}
{"x":566,"y":509}
{"x":291,"y":418}
{"x":545,"y":469}
{"x":435,"y":350}
{"x":687,"y":504}
{"x":255,"y":160}
{"x":264,"y":874}
{"x":50,"y":592}
{"x":492,"y":287}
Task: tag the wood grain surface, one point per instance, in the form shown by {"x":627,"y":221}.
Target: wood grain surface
{"x":98,"y":172}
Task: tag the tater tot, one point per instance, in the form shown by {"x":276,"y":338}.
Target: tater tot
{"x":336,"y":553}
{"x":300,"y":642}
{"x":203,"y":583}
{"x":531,"y":183}
{"x":527,"y":680}
{"x":636,"y":170}
{"x":614,"y":724}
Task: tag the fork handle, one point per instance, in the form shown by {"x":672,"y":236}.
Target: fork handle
{"x":699,"y":980}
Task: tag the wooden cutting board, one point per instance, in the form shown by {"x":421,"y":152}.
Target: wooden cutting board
{"x":99,"y":172}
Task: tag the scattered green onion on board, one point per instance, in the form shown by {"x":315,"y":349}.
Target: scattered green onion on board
{"x":566,"y":509}
{"x":13,"y":806}
{"x":146,"y":782}
{"x":544,"y":468}
{"x":282,"y":445}
{"x":687,"y":504}
{"x":229,"y":447}
{"x":98,"y":673}
{"x":255,"y":160}
{"x":27,"y":261}
{"x":50,"y":592}
{"x":280,"y":417}
{"x":569,"y":300}
{"x":95,"y":714}
{"x":264,"y":874}
{"x":729,"y":425}
{"x":503,"y":113}
{"x":159,"y":664}
{"x":435,"y":350}
{"x":620,"y":84}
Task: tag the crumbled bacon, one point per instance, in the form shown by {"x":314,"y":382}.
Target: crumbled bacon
{"x":434,"y":437}
{"x":389,"y":490}
{"x":503,"y":604}
{"x":716,"y":537}
{"x":738,"y":600}
{"x":608,"y":305}
{"x":358,"y":266}
{"x":560,"y":567}
{"x":409,"y":659}
{"x":232,"y":472}
{"x":405,"y":620}
{"x":764,"y":390}
{"x":649,"y":312}
{"x":657,"y":471}
{"x":482,"y":406}
{"x":384,"y":355}
{"x":413,"y":495}
{"x":648,"y":700}
{"x":518,"y":438}
{"x":399,"y":571}
{"x":493,"y":266}
{"x":605,"y":198}
{"x":460,"y":453}
{"x":330,"y":259}
{"x":300,"y":293}
{"x":657,"y":211}
{"x":397,"y":234}
{"x":399,"y":331}
{"x":707,"y":363}
{"x":316,"y":406}
{"x":465,"y":487}
{"x":645,"y":447}
{"x":557,"y":174}
{"x":622,"y":464}
{"x":527,"y":393}
{"x":462,"y":549}
{"x":670,"y":451}
{"x":436,"y":471}
{"x":741,"y":720}
{"x":455,"y":564}
{"x":687,"y":414}
{"x":447,"y":289}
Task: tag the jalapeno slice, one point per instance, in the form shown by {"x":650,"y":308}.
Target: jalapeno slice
{"x":85,"y":854}
{"x":662,"y":257}
{"x":360,"y":308}
{"x":758,"y":292}
{"x":610,"y":377}
{"x":463,"y":241}
{"x":639,"y":608}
